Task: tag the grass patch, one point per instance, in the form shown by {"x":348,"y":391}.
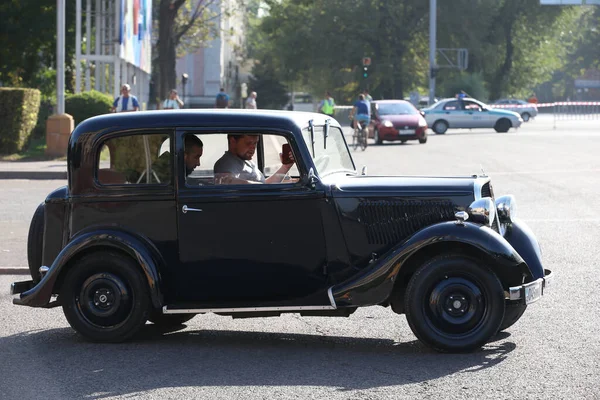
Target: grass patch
{"x":35,"y":151}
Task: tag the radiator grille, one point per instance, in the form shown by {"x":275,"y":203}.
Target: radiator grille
{"x":392,"y":221}
{"x":486,"y":190}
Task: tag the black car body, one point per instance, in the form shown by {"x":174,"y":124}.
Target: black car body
{"x":119,"y":246}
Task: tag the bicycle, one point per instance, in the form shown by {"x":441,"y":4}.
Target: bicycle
{"x":360,"y":135}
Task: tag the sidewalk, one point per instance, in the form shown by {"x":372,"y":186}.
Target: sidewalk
{"x":33,"y":170}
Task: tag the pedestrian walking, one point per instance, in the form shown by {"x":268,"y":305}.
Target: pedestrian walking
{"x":251,"y":101}
{"x":173,"y":102}
{"x":222,"y":100}
{"x":327,"y":105}
{"x":126,"y":101}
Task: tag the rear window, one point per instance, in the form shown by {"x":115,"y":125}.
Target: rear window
{"x":139,"y":159}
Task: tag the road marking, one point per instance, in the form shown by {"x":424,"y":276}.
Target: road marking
{"x":563,"y":220}
{"x":556,"y":171}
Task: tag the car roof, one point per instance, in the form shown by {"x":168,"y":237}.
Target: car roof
{"x":205,"y":118}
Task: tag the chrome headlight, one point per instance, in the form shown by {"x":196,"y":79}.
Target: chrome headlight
{"x":507,"y":208}
{"x":388,"y":124}
{"x":483,"y":211}
{"x":422,"y":123}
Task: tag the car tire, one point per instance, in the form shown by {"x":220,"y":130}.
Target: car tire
{"x":169,"y":320}
{"x":454,"y":303}
{"x":502,"y":125}
{"x":376,"y":137}
{"x":512,"y":313}
{"x":423,"y":140}
{"x":440,"y":127}
{"x":105,"y":297}
{"x":526,"y":116}
{"x":35,"y":243}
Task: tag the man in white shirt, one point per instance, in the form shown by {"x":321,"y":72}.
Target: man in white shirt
{"x":251,"y":101}
{"x":173,"y":102}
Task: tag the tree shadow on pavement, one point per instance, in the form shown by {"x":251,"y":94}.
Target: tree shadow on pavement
{"x":201,"y":358}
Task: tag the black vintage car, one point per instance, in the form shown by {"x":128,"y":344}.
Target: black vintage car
{"x":142,"y":232}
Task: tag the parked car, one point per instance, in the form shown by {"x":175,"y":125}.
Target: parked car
{"x":469,"y":113}
{"x":396,"y":120}
{"x":135,"y":235}
{"x":525,"y":109}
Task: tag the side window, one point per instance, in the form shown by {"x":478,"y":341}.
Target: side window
{"x":472,"y":106}
{"x":452,"y":106}
{"x":218,"y":165}
{"x":136,"y":160}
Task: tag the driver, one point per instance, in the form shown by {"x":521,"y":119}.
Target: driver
{"x":236,"y":166}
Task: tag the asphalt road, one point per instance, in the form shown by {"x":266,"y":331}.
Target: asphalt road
{"x":552,"y":352}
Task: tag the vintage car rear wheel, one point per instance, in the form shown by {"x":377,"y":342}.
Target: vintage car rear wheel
{"x":169,"y":320}
{"x":512,"y":314}
{"x":35,"y":243}
{"x":105,"y":297}
{"x":454,"y":304}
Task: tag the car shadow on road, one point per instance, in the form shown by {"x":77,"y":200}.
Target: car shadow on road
{"x":202,"y":358}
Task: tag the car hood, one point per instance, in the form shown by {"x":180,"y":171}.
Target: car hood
{"x":401,"y":119}
{"x":496,"y":111}
{"x":402,"y":185}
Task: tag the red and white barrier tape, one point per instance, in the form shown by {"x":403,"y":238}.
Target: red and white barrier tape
{"x":541,"y":105}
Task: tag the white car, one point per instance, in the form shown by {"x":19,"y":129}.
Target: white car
{"x":468,"y":113}
{"x":527,"y":110}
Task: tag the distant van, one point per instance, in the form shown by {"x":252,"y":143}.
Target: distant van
{"x":302,"y":102}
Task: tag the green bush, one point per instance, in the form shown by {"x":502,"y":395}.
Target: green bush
{"x":85,"y":105}
{"x":18,"y":117}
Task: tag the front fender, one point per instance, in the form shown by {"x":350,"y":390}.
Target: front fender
{"x":139,"y":249}
{"x":374,"y":284}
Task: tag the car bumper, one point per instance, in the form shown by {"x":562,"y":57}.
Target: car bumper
{"x":398,"y":134}
{"x":531,"y":292}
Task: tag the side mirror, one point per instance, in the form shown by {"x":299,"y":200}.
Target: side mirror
{"x":422,"y":113}
{"x":312,"y":179}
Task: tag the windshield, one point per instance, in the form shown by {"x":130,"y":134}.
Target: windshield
{"x":333,"y":159}
{"x":396,"y":109}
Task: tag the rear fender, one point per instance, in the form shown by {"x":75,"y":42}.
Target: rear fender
{"x":138,"y":248}
{"x":374,"y":284}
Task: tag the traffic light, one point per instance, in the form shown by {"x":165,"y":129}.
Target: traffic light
{"x":366,"y":72}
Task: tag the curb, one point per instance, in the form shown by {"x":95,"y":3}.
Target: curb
{"x":33,"y":175}
{"x":14,"y":271}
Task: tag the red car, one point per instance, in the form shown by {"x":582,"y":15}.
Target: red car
{"x":396,"y":120}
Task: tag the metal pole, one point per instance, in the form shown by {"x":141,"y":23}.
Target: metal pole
{"x":77,"y":46}
{"x":88,"y":42}
{"x":432,"y":40}
{"x":60,"y":56}
{"x":97,"y":49}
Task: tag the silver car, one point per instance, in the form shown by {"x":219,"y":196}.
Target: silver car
{"x":469,"y":113}
{"x":527,"y":110}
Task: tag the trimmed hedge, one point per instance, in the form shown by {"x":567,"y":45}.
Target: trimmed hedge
{"x":85,"y":105}
{"x":18,"y":116}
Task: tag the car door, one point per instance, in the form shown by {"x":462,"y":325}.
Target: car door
{"x":474,"y":115}
{"x":453,"y":113}
{"x":250,"y":244}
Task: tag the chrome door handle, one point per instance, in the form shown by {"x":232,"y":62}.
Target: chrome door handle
{"x":185,"y":209}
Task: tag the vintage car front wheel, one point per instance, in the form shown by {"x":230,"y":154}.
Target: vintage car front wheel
{"x":454,"y":303}
{"x":105,"y":297}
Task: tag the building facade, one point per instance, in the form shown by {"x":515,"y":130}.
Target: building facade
{"x":219,"y":63}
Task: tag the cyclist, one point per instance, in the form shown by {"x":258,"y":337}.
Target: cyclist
{"x":362,"y":111}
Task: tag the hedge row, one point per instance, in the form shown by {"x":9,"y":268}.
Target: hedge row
{"x":18,"y":117}
{"x":84,"y":105}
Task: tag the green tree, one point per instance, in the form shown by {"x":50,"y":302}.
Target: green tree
{"x":28,"y":43}
{"x":272,"y":94}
